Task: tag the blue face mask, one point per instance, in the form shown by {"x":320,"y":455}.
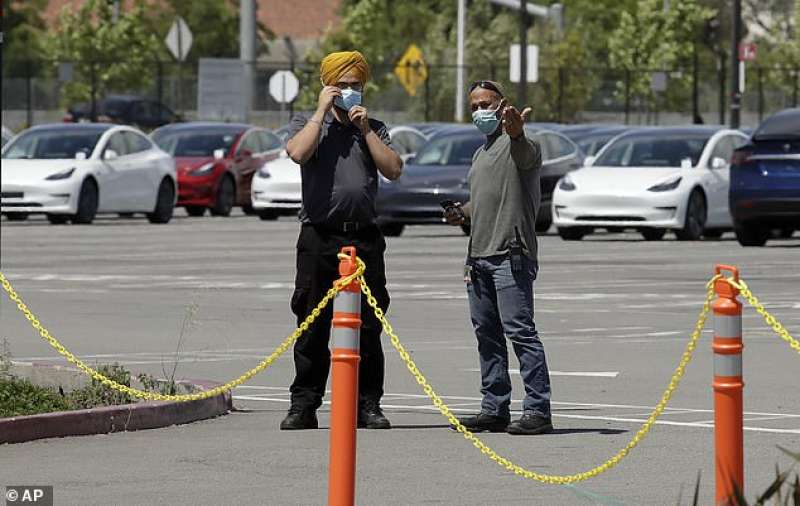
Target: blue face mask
{"x":349,"y":99}
{"x":486,"y":120}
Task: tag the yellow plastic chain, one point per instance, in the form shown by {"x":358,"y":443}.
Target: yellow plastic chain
{"x":515,"y":468}
{"x":777,"y":327}
{"x":154,"y":396}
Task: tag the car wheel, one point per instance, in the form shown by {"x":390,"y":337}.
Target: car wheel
{"x":543,"y":225}
{"x":125,"y":215}
{"x":751,"y":233}
{"x":195,"y":211}
{"x":572,"y":233}
{"x":392,"y":229}
{"x":165,"y":203}
{"x":268,"y":214}
{"x":467,"y":229}
{"x":88,"y":199}
{"x":226,"y":195}
{"x":695,"y":221}
{"x":17,"y":216}
{"x":248,"y":210}
{"x":57,"y":219}
{"x":713,"y":233}
{"x":653,"y":234}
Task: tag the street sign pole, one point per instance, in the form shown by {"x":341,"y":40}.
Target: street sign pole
{"x":460,"y":91}
{"x":522,"y":97}
{"x":736,"y":92}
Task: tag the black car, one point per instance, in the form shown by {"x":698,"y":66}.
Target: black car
{"x":439,"y":172}
{"x":591,"y":138}
{"x":142,"y":112}
{"x":764,"y":190}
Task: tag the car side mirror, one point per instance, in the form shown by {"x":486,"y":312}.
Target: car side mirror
{"x":219,"y":154}
{"x":80,"y":155}
{"x":407,"y":158}
{"x":589,"y":161}
{"x":718,"y":163}
{"x":110,"y":154}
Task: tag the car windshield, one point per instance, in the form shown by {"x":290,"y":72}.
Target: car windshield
{"x":53,"y":144}
{"x":449,"y":150}
{"x":200,"y":143}
{"x":654,"y":149}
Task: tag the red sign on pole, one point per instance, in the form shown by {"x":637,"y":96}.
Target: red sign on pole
{"x":747,"y":51}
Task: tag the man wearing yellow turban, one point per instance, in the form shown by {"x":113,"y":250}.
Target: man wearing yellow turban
{"x":340,"y":151}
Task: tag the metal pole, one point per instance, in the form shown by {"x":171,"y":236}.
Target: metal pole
{"x":160,"y":83}
{"x":93,"y":73}
{"x":29,"y":92}
{"x":427,"y":97}
{"x":760,"y":94}
{"x":736,"y":37}
{"x":247,"y":50}
{"x":462,"y":12}
{"x":695,"y":86}
{"x":560,"y":94}
{"x":627,"y":95}
{"x":721,"y":88}
{"x":728,"y":387}
{"x":345,"y":356}
{"x":794,"y":90}
{"x":523,"y":55}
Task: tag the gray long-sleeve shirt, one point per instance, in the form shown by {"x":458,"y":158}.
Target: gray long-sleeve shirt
{"x":504,"y":193}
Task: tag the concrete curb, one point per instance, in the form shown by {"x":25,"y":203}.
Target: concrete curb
{"x":107,"y":419}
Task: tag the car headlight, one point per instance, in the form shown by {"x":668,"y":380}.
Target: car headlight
{"x":64,"y":174}
{"x":264,"y":173}
{"x":665,"y":187}
{"x":566,"y":184}
{"x":203,"y":170}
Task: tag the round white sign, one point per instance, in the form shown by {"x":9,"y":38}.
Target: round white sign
{"x":283,"y":86}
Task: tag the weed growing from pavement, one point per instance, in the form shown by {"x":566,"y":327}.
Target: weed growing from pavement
{"x":783,"y":491}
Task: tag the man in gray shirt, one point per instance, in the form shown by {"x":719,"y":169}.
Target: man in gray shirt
{"x":340,"y":151}
{"x":502,"y":264}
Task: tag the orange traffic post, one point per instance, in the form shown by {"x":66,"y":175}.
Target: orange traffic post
{"x":344,"y":398}
{"x":728,"y":388}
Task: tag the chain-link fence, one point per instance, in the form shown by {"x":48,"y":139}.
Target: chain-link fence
{"x":40,"y":91}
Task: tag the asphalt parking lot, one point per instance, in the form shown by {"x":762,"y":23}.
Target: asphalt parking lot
{"x":614,"y":313}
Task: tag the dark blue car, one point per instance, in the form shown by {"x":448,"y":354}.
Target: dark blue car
{"x":765,"y":181}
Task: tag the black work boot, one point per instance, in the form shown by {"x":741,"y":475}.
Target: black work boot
{"x":370,"y":416}
{"x":300,"y":418}
{"x":483,"y":422}
{"x":530,"y":424}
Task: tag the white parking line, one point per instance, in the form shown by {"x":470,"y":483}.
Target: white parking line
{"x":597,"y":374}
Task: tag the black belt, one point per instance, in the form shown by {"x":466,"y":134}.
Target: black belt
{"x":347,"y":227}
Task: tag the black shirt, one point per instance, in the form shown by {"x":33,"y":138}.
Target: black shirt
{"x":340,"y":180}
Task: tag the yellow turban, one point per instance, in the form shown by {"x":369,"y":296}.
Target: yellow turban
{"x":335,"y":65}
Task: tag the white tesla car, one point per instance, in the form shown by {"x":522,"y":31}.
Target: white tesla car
{"x":276,"y":188}
{"x":652,"y":180}
{"x":73,"y":171}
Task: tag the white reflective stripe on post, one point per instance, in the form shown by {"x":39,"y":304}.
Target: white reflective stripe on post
{"x":727,"y":326}
{"x":727,"y":365}
{"x":347,"y":302}
{"x":346,"y":337}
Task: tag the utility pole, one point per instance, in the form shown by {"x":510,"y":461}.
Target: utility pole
{"x":736,"y":92}
{"x":462,"y":14}
{"x":522,"y":92}
{"x":247,"y":50}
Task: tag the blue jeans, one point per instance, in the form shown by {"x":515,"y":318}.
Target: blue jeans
{"x":501,"y":305}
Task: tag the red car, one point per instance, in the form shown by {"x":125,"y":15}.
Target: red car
{"x":216,"y":163}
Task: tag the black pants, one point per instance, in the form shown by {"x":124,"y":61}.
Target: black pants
{"x":317,"y":269}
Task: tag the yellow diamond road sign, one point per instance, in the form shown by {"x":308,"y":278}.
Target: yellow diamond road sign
{"x":411,"y":70}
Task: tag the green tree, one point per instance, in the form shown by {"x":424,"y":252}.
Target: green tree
{"x":657,"y":36}
{"x":23,"y":35}
{"x":107,"y":55}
